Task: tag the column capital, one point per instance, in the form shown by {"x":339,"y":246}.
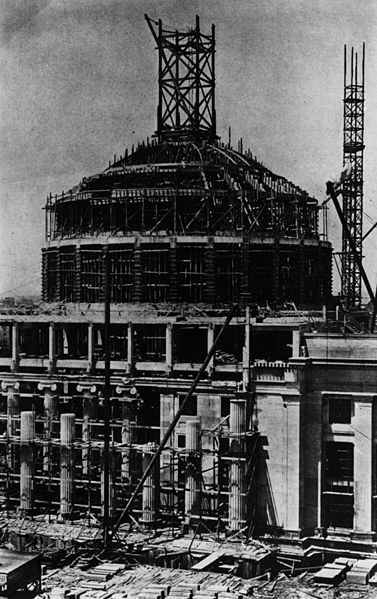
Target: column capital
{"x":47,"y":386}
{"x":5,"y":385}
{"x":86,"y":388}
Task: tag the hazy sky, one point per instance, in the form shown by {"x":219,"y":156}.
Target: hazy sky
{"x":78,"y":83}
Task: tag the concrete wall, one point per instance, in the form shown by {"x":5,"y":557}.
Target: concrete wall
{"x":337,"y":346}
{"x":279,"y":483}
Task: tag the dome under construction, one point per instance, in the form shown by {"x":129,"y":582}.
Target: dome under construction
{"x":185,"y":217}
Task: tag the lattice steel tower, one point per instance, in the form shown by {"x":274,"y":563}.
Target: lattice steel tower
{"x":186,"y":83}
{"x":352,"y":189}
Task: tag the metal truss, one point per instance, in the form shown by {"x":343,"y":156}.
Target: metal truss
{"x":186,"y":82}
{"x":352,"y":189}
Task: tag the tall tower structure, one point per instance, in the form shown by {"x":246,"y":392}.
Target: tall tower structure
{"x":353,"y":154}
{"x":186,"y":82}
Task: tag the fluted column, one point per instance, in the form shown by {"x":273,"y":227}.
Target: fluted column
{"x":237,"y":498}
{"x":50,"y":403}
{"x":67,"y":437}
{"x":169,"y":347}
{"x":88,"y":408}
{"x":27,"y":458}
{"x":193,"y":466}
{"x":149,"y":501}
{"x":15,"y":347}
{"x":13,"y":411}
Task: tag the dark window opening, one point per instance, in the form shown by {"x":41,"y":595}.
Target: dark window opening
{"x":6,"y":340}
{"x":181,"y":441}
{"x":271,"y":346}
{"x":150,"y":343}
{"x":339,"y":511}
{"x":228,"y":273}
{"x":155,"y":274}
{"x":34,"y":341}
{"x":121,"y":275}
{"x":191,"y":407}
{"x":190,"y":344}
{"x":71,"y":341}
{"x":225,"y":406}
{"x":230,"y":346}
{"x":339,"y":467}
{"x":191,"y":275}
{"x":91,"y":276}
{"x":67,"y":275}
{"x":52,"y":269}
{"x":340,"y":410}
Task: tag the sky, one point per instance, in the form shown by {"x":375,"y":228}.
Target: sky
{"x":78,"y":84}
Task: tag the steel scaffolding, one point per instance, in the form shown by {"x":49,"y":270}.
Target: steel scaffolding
{"x":352,"y":189}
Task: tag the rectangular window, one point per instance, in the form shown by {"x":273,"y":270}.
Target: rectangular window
{"x":340,"y":410}
{"x":339,"y":467}
{"x":191,"y":407}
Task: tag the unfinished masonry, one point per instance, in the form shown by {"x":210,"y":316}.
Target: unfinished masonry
{"x":272,"y":438}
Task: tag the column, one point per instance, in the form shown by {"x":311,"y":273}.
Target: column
{"x":169,"y":347}
{"x":67,"y":437}
{"x":130,"y":349}
{"x":193,"y":466}
{"x":296,"y":340}
{"x":210,"y":340}
{"x":13,"y":411}
{"x":50,"y":403}
{"x":246,"y":353}
{"x":127,"y":438}
{"x":15,"y":347}
{"x":51,"y":348}
{"x":90,"y":347}
{"x":293,"y":491}
{"x":362,"y":427}
{"x":149,"y":499}
{"x":88,"y":408}
{"x":27,"y":459}
{"x":237,"y":495}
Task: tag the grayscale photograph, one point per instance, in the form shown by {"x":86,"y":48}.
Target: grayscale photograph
{"x":188,"y":299}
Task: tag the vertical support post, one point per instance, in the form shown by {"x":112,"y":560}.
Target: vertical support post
{"x":107,"y":401}
{"x":27,"y":459}
{"x":90,"y":347}
{"x":15,"y":347}
{"x":13,"y":411}
{"x":87,"y":415}
{"x":149,"y":496}
{"x":193,"y":466}
{"x":246,"y":352}
{"x":50,"y":403}
{"x":237,"y":496}
{"x":127,"y":439}
{"x":210,"y":340}
{"x":51,"y":348}
{"x":130,"y":349}
{"x":67,"y":438}
{"x":296,"y":340}
{"x":169,"y":348}
{"x":319,"y":496}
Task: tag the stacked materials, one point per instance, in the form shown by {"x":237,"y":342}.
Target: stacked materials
{"x":362,"y":571}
